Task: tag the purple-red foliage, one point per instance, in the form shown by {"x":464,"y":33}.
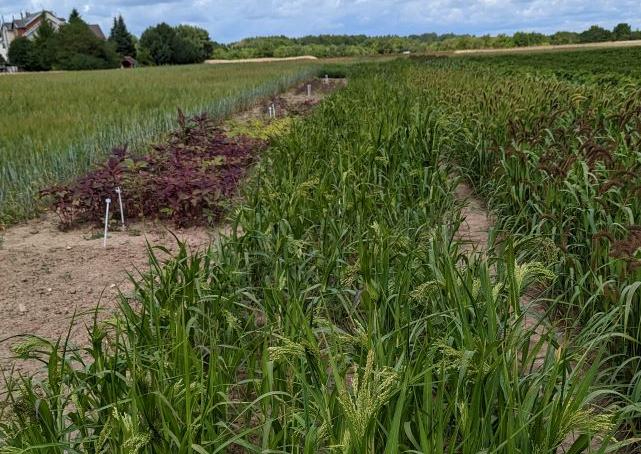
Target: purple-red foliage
{"x":184,"y":179}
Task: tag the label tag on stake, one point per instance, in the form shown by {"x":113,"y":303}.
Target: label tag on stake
{"x":104,"y":241}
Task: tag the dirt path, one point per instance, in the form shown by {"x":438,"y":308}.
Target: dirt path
{"x":475,"y":233}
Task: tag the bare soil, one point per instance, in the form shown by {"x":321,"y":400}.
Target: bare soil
{"x":47,"y":275}
{"x":293,"y":102}
{"x":475,"y":233}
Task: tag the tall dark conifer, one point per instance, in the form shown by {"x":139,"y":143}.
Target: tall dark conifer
{"x":122,"y":39}
{"x":44,"y":46}
{"x":74,"y":16}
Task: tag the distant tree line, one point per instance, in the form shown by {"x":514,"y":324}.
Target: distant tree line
{"x":356,"y":45}
{"x":76,"y":47}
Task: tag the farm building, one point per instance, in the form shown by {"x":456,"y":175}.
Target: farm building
{"x":28,"y":25}
{"x":128,"y":63}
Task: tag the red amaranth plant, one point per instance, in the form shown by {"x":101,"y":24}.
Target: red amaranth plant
{"x":184,"y":179}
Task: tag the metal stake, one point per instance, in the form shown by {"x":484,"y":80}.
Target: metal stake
{"x":122,"y":212}
{"x":104,"y":241}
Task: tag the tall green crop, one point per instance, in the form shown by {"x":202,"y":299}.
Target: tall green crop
{"x":558,"y":161}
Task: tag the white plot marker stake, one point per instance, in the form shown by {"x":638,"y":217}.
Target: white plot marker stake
{"x":122,"y":212}
{"x":269,"y":110}
{"x":104,"y":241}
{"x":326,"y":81}
{"x":309,"y":90}
{"x":274,"y":110}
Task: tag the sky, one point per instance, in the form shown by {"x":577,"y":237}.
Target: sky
{"x":232,"y":20}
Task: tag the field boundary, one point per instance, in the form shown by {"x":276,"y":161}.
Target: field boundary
{"x":260,"y":60}
{"x":552,"y":48}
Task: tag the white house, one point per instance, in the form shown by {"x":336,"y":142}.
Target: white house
{"x":28,"y":25}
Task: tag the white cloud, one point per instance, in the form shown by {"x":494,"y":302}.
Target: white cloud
{"x":229,"y":20}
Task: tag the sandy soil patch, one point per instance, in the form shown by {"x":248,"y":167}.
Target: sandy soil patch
{"x":47,"y":275}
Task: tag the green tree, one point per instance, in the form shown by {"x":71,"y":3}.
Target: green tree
{"x":622,"y":32}
{"x":166,"y":45}
{"x":44,"y":46}
{"x":564,"y":38}
{"x":159,"y":42}
{"x":595,"y":34}
{"x":79,"y":48}
{"x":196,"y":46}
{"x":122,"y":39}
{"x":524,"y":39}
{"x":74,"y":16}
{"x":22,"y":54}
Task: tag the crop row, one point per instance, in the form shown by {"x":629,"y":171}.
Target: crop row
{"x":605,"y":67}
{"x":559,"y":162}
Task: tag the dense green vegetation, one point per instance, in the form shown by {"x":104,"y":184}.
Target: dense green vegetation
{"x":124,"y":42}
{"x":360,"y":45}
{"x":60,"y":124}
{"x":167,"y":45}
{"x":559,"y":160}
{"x":340,"y":314}
{"x":593,"y":66}
{"x":73,"y":47}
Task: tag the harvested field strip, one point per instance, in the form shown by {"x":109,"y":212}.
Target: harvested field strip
{"x":42,"y":143}
{"x":335,"y":315}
